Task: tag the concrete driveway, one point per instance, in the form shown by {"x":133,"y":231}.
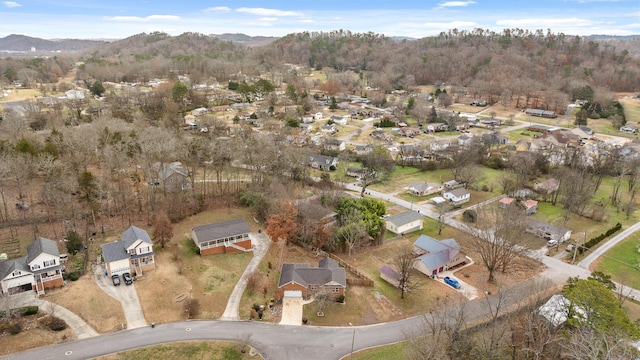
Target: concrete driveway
{"x":127,"y":296}
{"x":467,"y":290}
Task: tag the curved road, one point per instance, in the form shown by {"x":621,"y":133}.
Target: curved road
{"x":278,"y":342}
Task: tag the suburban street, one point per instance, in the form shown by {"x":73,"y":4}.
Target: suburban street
{"x":274,"y":341}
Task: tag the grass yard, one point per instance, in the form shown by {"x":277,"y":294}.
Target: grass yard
{"x":21,"y":94}
{"x":213,"y":350}
{"x":622,"y":262}
{"x":87,"y":300}
{"x":522,"y":134}
{"x":33,"y":338}
{"x":395,"y":351}
{"x":631,"y":108}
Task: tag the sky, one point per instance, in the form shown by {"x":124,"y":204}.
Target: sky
{"x":117,"y":19}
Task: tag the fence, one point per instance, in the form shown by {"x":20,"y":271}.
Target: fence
{"x":364,"y":279}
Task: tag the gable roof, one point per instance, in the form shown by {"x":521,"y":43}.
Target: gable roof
{"x":547,"y":228}
{"x":439,"y":253}
{"x":114,"y":251}
{"x":40,"y":246}
{"x":322,"y":159}
{"x":458,"y":192}
{"x":9,"y":266}
{"x":305,"y":275}
{"x":404,"y":218}
{"x":221,"y":230}
{"x":132,"y":234}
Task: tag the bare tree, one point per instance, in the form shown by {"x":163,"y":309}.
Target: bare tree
{"x":404,"y":263}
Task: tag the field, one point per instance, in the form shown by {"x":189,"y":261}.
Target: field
{"x":622,"y":262}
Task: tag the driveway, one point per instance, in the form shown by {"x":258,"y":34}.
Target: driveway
{"x":260,"y":242}
{"x":466,"y":290}
{"x":127,"y":296}
{"x":79,"y":327}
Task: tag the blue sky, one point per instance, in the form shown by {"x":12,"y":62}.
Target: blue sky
{"x":114,"y":19}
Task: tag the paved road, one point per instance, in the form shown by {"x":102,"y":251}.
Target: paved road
{"x":586,"y":262}
{"x":261,"y":244}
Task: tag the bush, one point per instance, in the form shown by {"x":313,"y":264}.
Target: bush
{"x":192,"y":308}
{"x":15,"y":328}
{"x":595,"y":240}
{"x":340,"y":299}
{"x":28,"y":310}
{"x":56,"y":324}
{"x":73,"y":276}
{"x":469,"y":216}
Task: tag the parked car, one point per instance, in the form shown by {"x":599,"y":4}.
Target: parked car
{"x":570,"y":247}
{"x":127,"y":278}
{"x":452,"y":282}
{"x":552,"y":243}
{"x":116,"y":279}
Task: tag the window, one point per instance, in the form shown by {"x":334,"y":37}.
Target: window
{"x":132,"y":251}
{"x":49,"y":263}
{"x":35,"y":267}
{"x":313,"y":287}
{"x":336,"y":290}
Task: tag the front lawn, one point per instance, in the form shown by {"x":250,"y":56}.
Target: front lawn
{"x":622,"y":262}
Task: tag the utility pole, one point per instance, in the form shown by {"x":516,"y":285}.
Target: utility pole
{"x":353,"y":339}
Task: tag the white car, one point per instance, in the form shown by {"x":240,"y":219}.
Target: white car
{"x":552,"y":243}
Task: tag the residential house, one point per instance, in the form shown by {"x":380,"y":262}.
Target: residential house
{"x":329,"y":129}
{"x":583,"y":132}
{"x":317,"y":116}
{"x":199,"y":111}
{"x":452,"y":184}
{"x":540,"y":113}
{"x":434,"y":257}
{"x":422,"y":188}
{"x":409,"y":132}
{"x":172,"y":177}
{"x":530,"y":206}
{"x":133,"y":253}
{"x":495,"y":138}
{"x":340,"y":120}
{"x":541,"y":128}
{"x":464,"y":140}
{"x":629,"y":129}
{"x":306,"y":128}
{"x":523,"y":145}
{"x":229,"y":236}
{"x":404,"y":222}
{"x":437,"y":127}
{"x":505,"y":202}
{"x":40,"y":269}
{"x":307,"y":119}
{"x":361,"y":150}
{"x":322,"y":162}
{"x":548,"y":231}
{"x":546,"y":187}
{"x":356,"y":172}
{"x":439,"y":145}
{"x":74,"y":95}
{"x":328,"y":277}
{"x":334,"y":145}
{"x":457,"y":196}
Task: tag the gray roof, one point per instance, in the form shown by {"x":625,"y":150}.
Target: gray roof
{"x":304,"y":275}
{"x":547,"y":228}
{"x":322,"y":159}
{"x":439,"y":253}
{"x":41,"y":245}
{"x":8,"y":266}
{"x":221,"y":230}
{"x":459,"y":192}
{"x":114,"y":251}
{"x":133,"y":234}
{"x":404,"y":218}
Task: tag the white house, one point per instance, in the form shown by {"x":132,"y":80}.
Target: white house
{"x":405,"y":222}
{"x":457,"y":196}
{"x":629,"y":129}
{"x":132,"y":254}
{"x":39,"y":270}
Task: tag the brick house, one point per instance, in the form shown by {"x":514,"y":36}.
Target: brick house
{"x":224,"y":237}
{"x":328,"y":277}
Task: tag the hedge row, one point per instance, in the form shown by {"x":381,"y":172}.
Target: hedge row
{"x":595,"y":240}
{"x":23,"y":311}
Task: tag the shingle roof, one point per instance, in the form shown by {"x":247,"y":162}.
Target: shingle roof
{"x":305,"y":275}
{"x":133,"y":234}
{"x":459,"y":192}
{"x":221,"y":230}
{"x":404,"y":218}
{"x":41,"y":245}
{"x":8,"y":266}
{"x":114,"y":251}
{"x":439,"y":253}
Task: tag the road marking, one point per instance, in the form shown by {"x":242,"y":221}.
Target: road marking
{"x":68,"y":353}
{"x":187,"y":329}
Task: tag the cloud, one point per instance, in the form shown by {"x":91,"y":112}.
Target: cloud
{"x":267,"y":19}
{"x":456,"y":4}
{"x":11,"y":4}
{"x":545,"y":22}
{"x":267,"y":12}
{"x":217,"y":9}
{"x":449,"y":25}
{"x":142,"y":19}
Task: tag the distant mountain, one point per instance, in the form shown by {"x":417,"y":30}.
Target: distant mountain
{"x":246,"y":39}
{"x":613,"y":37}
{"x":15,"y":42}
{"x":402,"y":38}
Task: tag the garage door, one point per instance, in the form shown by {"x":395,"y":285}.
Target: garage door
{"x":21,"y":288}
{"x":120,"y":271}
